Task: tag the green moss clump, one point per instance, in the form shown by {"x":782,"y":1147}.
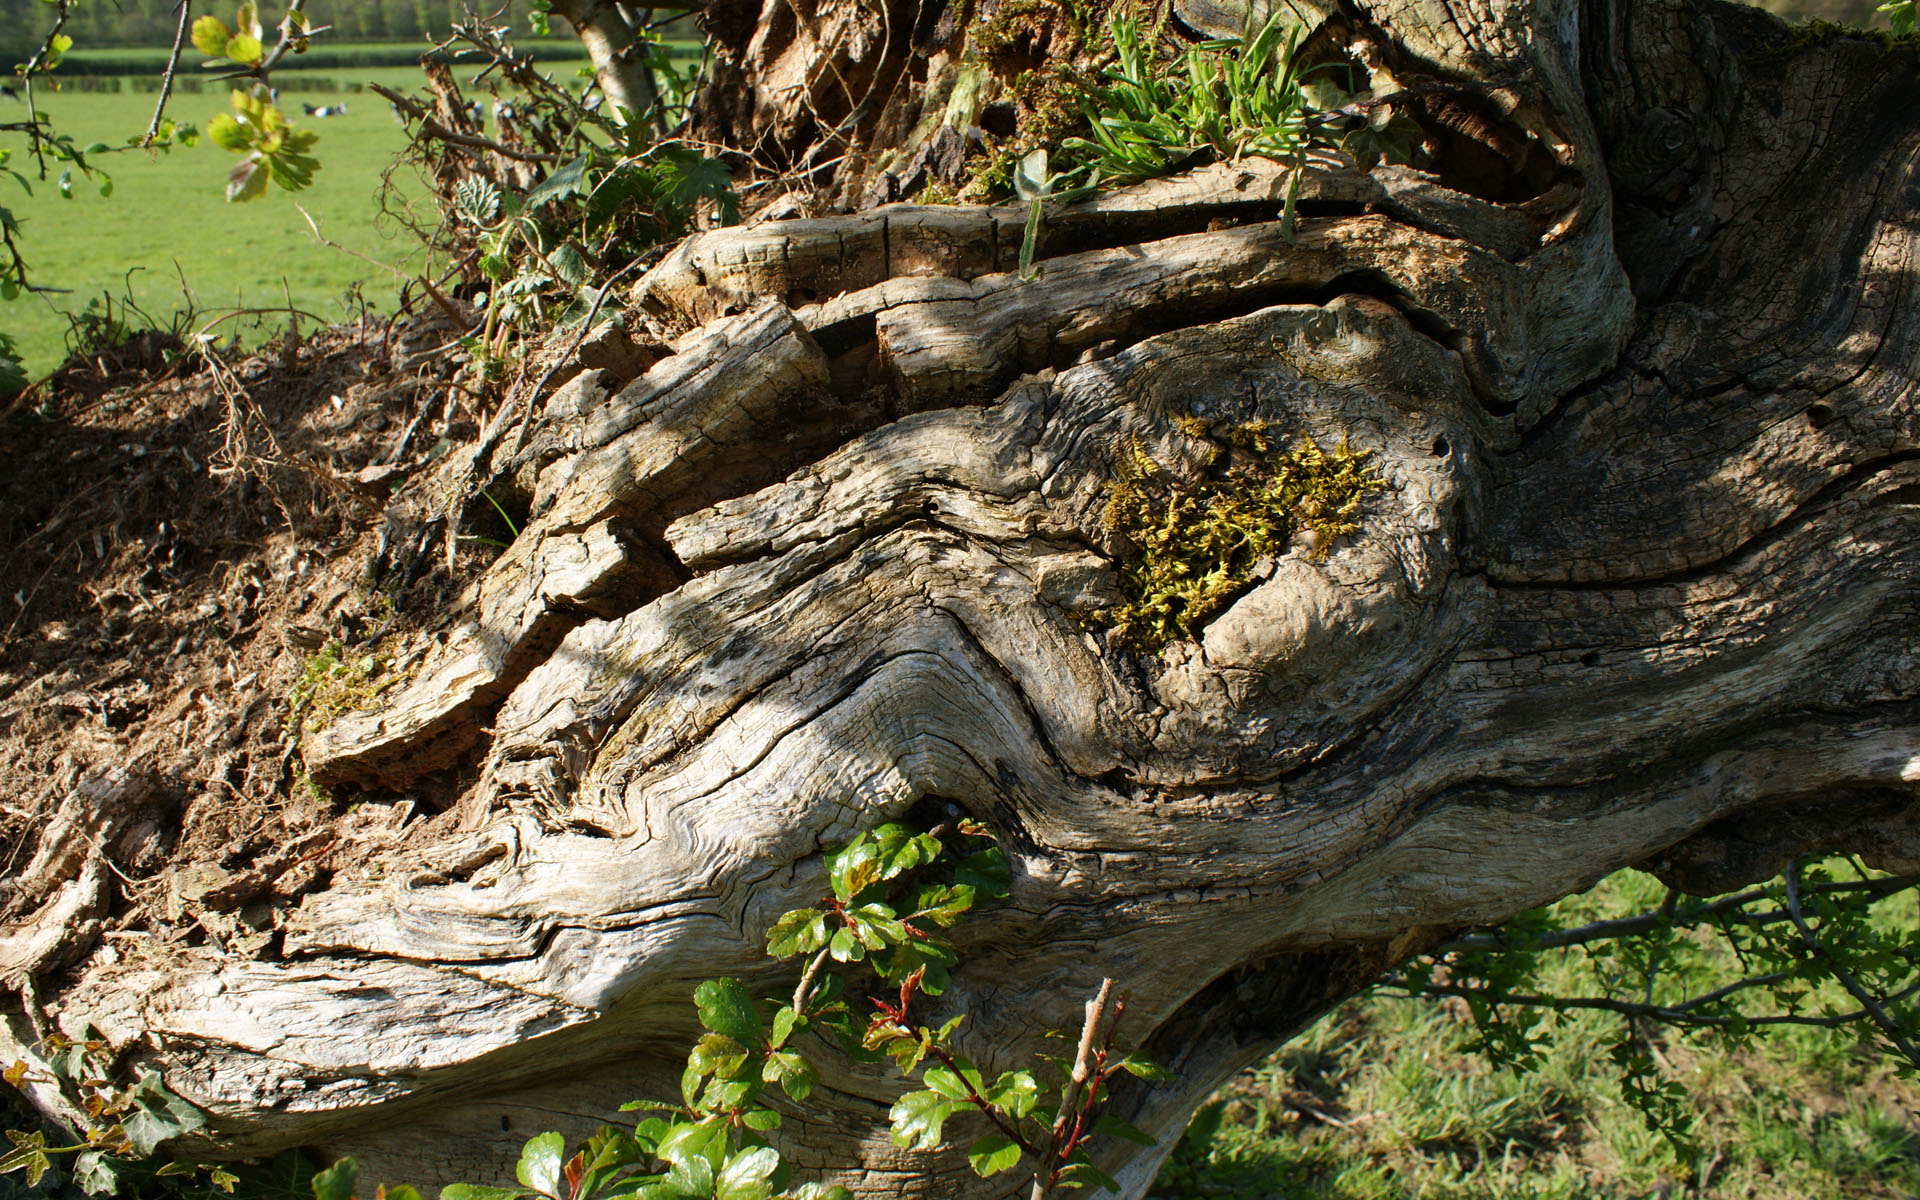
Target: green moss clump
{"x":333,"y":682}
{"x":1195,"y":544}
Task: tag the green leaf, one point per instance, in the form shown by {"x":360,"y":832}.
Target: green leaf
{"x":242,"y":48}
{"x":795,"y":1075}
{"x":1082,"y":1174}
{"x":605,"y":1153}
{"x":470,"y":1191}
{"x":760,"y":1119}
{"x":96,"y":1173}
{"x":247,"y":20}
{"x":1030,"y":179}
{"x":877,"y":856}
{"x":726,"y":1007}
{"x":746,"y":1175}
{"x":210,"y":36}
{"x":158,"y":1115}
{"x":1014,"y":1092}
{"x":689,"y":1142}
{"x":1143,"y":1069}
{"x":949,"y":1083}
{"x":717,"y":1054}
{"x":917,"y":1118}
{"x":227,"y":133}
{"x":1115,"y":1127}
{"x":31,"y":1159}
{"x":65,"y":184}
{"x":106,"y":185}
{"x":540,"y":1162}
{"x":844,"y":947}
{"x":689,"y":1179}
{"x":570,"y":265}
{"x":802,"y":931}
{"x":991,"y":1155}
{"x":695,"y":177}
{"x":985,"y":872}
{"x":786,"y":1023}
{"x":724,"y":1095}
{"x":569,"y":179}
{"x":876,"y":926}
{"x":851,"y":869}
{"x":248,"y":179}
{"x":336,"y":1182}
{"x":944,"y":904}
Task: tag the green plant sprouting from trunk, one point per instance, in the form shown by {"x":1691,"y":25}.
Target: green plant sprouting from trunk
{"x":1223,"y":99}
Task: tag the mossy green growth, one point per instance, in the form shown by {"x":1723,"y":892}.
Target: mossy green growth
{"x":333,"y":682}
{"x":1814,"y":33}
{"x":1195,"y":544}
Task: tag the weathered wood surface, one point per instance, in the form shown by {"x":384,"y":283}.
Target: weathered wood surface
{"x":1640,"y":588}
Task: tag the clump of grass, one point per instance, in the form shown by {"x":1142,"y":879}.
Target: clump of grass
{"x":1223,"y":99}
{"x":1195,"y":544}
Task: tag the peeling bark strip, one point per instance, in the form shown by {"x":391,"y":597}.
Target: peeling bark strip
{"x":1639,"y":586}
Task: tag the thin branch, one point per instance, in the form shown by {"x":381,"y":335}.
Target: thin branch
{"x":804,"y":991}
{"x":986,"y":1106}
{"x":287,"y":38}
{"x":1624,"y":927}
{"x":1881,"y":1018}
{"x":1669,"y":1014}
{"x":39,"y":63}
{"x":166,"y":76}
{"x":1063,"y":1121}
{"x":431,"y":128}
{"x":333,"y":245}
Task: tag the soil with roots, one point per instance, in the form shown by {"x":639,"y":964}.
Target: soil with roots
{"x":183,"y":538}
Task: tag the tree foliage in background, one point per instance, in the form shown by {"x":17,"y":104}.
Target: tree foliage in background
{"x":152,"y":22}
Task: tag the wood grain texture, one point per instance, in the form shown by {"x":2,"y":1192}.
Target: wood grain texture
{"x":1638,"y":588}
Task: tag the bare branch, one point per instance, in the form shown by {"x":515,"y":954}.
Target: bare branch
{"x":1624,"y":927}
{"x":1070,"y":1094}
{"x":433,"y":129}
{"x":1669,"y":1014}
{"x":1870,"y":1004}
{"x":185,"y":8}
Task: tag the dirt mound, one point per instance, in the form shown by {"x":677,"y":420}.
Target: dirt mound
{"x":182,"y":549}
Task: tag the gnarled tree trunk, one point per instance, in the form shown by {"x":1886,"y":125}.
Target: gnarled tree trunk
{"x":1634,"y":360}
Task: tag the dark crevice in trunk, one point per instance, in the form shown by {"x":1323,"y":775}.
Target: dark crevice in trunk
{"x":1155,"y":321}
{"x":1061,"y":237}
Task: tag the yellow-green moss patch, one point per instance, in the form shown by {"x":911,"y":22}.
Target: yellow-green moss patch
{"x":1194,"y":544}
{"x":335,"y":681}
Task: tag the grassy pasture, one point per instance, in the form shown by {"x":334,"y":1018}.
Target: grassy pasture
{"x":1385,"y":1099}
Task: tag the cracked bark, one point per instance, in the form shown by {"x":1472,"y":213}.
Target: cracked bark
{"x":1639,"y":590}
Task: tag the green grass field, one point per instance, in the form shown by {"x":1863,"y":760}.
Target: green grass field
{"x":326,"y":55}
{"x":169,"y":209}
